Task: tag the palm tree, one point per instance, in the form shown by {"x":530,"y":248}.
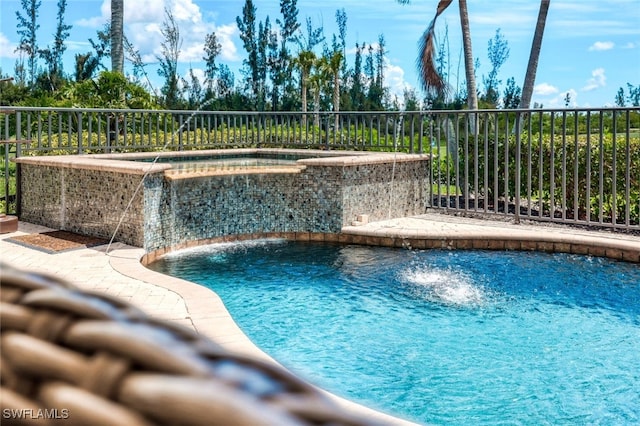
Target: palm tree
{"x":472,"y":94}
{"x":530,"y":76}
{"x":334,"y":65}
{"x":430,"y":78}
{"x":305,"y":60}
{"x":117,"y":36}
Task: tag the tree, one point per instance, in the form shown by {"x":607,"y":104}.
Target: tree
{"x":226,"y":80}
{"x":212,"y":49}
{"x":317,"y":82}
{"x":498,"y":52}
{"x":620,"y":98}
{"x":276,"y":63}
{"x":53,"y":55}
{"x":27,"y":28}
{"x":281,"y":59}
{"x":264,"y":42}
{"x":102,"y":46}
{"x":536,"y":45}
{"x":472,"y":93}
{"x":111,"y":90}
{"x":194,"y":91}
{"x":305,"y":61}
{"x":133,"y":56}
{"x":248,"y":35}
{"x":341,"y":21}
{"x":334,"y":64}
{"x":86,"y":66}
{"x":169,"y":61}
{"x":634,"y":95}
{"x":357,"y":88}
{"x":430,"y":78}
{"x":512,"y":94}
{"x":411,"y":102}
{"x":314,"y":37}
{"x":289,"y":24}
{"x":377,"y":92}
{"x":380,"y":55}
{"x":117,"y":36}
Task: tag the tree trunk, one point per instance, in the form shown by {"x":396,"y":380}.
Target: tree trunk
{"x":117,"y":36}
{"x":336,"y":100}
{"x":316,"y":109}
{"x":303,"y":97}
{"x":532,"y":67}
{"x":472,"y":94}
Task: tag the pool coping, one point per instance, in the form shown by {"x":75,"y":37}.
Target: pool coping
{"x":441,"y":231}
{"x":123,"y":162}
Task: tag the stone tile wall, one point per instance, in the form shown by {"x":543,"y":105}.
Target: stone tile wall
{"x":169,"y":211}
{"x":89,"y":202}
{"x":318,"y":199}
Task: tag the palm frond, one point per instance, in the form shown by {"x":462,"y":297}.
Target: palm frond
{"x":430,"y":78}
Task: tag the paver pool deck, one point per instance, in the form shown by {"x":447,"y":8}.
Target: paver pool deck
{"x":120,"y":273}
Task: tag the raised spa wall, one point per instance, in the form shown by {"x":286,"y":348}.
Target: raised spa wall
{"x":95,"y":194}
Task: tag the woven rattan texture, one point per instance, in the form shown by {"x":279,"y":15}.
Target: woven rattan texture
{"x":90,"y":359}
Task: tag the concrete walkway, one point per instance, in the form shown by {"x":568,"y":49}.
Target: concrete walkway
{"x":120,"y":273}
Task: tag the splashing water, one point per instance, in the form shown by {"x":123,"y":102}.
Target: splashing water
{"x":444,"y":286}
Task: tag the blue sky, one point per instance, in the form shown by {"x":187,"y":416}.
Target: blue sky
{"x":590,"y":49}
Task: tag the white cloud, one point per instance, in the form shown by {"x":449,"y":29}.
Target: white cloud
{"x":7,"y":48}
{"x":545,"y":89}
{"x":142,"y":11}
{"x":94,"y":22}
{"x":394,"y":79}
{"x":229,"y":51}
{"x":601,"y":45}
{"x":559,"y":101}
{"x":143,"y":21}
{"x":186,"y":11}
{"x":78,"y":46}
{"x":598,"y":79}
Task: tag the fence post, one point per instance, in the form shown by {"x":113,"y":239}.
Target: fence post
{"x":80,"y":132}
{"x":517,"y":169}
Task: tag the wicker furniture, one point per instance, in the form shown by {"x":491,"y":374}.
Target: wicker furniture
{"x":75,"y":357}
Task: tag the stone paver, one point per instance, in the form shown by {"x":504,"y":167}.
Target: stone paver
{"x":91,"y":269}
{"x":120,"y":273}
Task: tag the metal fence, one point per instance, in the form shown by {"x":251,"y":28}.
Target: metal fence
{"x":576,"y":166}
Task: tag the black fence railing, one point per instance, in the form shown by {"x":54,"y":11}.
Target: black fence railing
{"x":577,"y":166}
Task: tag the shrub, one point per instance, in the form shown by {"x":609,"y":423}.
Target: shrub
{"x":571,"y":176}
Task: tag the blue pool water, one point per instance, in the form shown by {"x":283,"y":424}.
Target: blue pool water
{"x":439,"y":337}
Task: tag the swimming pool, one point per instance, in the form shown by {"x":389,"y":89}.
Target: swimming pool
{"x":438,"y":336}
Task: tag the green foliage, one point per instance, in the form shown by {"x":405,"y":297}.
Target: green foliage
{"x":498,"y":52}
{"x":109,"y":90}
{"x":567,"y":173}
{"x":7,"y":199}
{"x":27,"y":29}
{"x":171,"y":91}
